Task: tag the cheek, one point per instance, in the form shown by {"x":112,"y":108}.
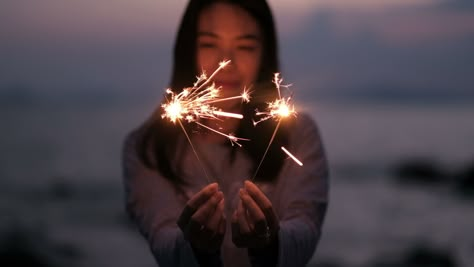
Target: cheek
{"x":207,"y":60}
{"x":249,"y":65}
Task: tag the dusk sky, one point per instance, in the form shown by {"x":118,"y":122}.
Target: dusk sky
{"x":353,"y":48}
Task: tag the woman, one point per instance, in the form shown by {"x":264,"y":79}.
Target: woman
{"x":274,"y":220}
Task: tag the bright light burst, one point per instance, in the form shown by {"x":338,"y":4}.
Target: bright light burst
{"x":279,"y":109}
{"x":194,"y":103}
{"x":291,"y":156}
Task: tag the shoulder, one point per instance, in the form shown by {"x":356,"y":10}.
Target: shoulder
{"x":304,"y":136}
{"x":304,"y":126}
{"x":130,"y":141}
{"x":131,"y":144}
{"x":304,"y":119}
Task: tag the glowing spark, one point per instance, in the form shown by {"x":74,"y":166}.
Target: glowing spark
{"x":233,"y":140}
{"x":245,"y":96}
{"x":279,"y":109}
{"x":228,"y":114}
{"x":291,"y":156}
{"x":173,"y":111}
{"x":194,"y":103}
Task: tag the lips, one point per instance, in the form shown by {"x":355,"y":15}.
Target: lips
{"x":229,"y":88}
{"x":228,"y":84}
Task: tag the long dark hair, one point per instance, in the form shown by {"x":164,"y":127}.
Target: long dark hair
{"x":157,"y":146}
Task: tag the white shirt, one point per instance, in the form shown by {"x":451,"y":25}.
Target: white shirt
{"x":299,"y":197}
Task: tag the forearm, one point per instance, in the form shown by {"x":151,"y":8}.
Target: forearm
{"x":207,"y":258}
{"x":265,"y":257}
{"x":153,"y":204}
{"x":298,"y":239}
{"x":170,"y":249}
{"x":165,"y":239}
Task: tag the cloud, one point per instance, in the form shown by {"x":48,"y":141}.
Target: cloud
{"x":406,"y":52}
{"x":132,"y":19}
{"x":407,"y":27}
{"x":292,"y":16}
{"x":458,"y":5}
{"x":350,"y":4}
{"x":74,"y":45}
{"x":88,"y":18}
{"x":332,"y":46}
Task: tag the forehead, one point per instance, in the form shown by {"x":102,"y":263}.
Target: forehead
{"x":225,"y":19}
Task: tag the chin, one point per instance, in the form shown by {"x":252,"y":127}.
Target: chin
{"x":230,"y":106}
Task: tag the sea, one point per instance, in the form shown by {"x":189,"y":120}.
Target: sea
{"x":62,"y":200}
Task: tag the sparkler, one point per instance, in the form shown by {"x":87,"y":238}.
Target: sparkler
{"x":291,"y":156}
{"x":279,"y":109}
{"x":194,"y":103}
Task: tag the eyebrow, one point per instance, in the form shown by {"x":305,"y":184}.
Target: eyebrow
{"x":241,"y":37}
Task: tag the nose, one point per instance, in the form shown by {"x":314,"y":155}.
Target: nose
{"x":228,"y":54}
{"x":232,"y":66}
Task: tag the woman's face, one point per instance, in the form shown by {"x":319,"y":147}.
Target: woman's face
{"x":228,"y":32}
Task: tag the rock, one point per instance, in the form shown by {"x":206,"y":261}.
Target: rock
{"x":25,"y":248}
{"x":420,"y":171}
{"x":17,"y":250}
{"x":465,"y":181}
{"x":422,"y":255}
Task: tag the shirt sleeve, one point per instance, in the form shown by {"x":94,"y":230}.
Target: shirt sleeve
{"x":304,"y":195}
{"x":153,"y":204}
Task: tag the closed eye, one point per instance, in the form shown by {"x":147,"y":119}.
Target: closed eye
{"x":206,"y":45}
{"x":249,"y":48}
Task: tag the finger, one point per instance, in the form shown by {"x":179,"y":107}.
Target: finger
{"x":255,"y":213}
{"x":242,"y":219}
{"x":202,"y":196}
{"x":218,"y":237}
{"x":193,"y":231}
{"x":250,"y":221}
{"x":214,"y":220}
{"x":185,"y":216}
{"x":222,"y":226}
{"x":205,"y":211}
{"x":272,"y":219}
{"x":263,"y":202}
{"x":237,"y":237}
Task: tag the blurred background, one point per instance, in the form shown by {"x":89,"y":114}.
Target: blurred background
{"x":390,"y":83}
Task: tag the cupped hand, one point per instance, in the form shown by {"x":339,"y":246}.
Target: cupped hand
{"x":202,"y":219}
{"x":254,"y":222}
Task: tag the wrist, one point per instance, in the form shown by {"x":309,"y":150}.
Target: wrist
{"x":207,"y":257}
{"x":266,"y":256}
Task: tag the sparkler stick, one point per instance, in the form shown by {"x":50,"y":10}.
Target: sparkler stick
{"x":245,"y":96}
{"x":291,"y":156}
{"x":195,"y":152}
{"x":194,"y":103}
{"x":228,"y":114}
{"x":279,"y":109}
{"x":231,"y":137}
